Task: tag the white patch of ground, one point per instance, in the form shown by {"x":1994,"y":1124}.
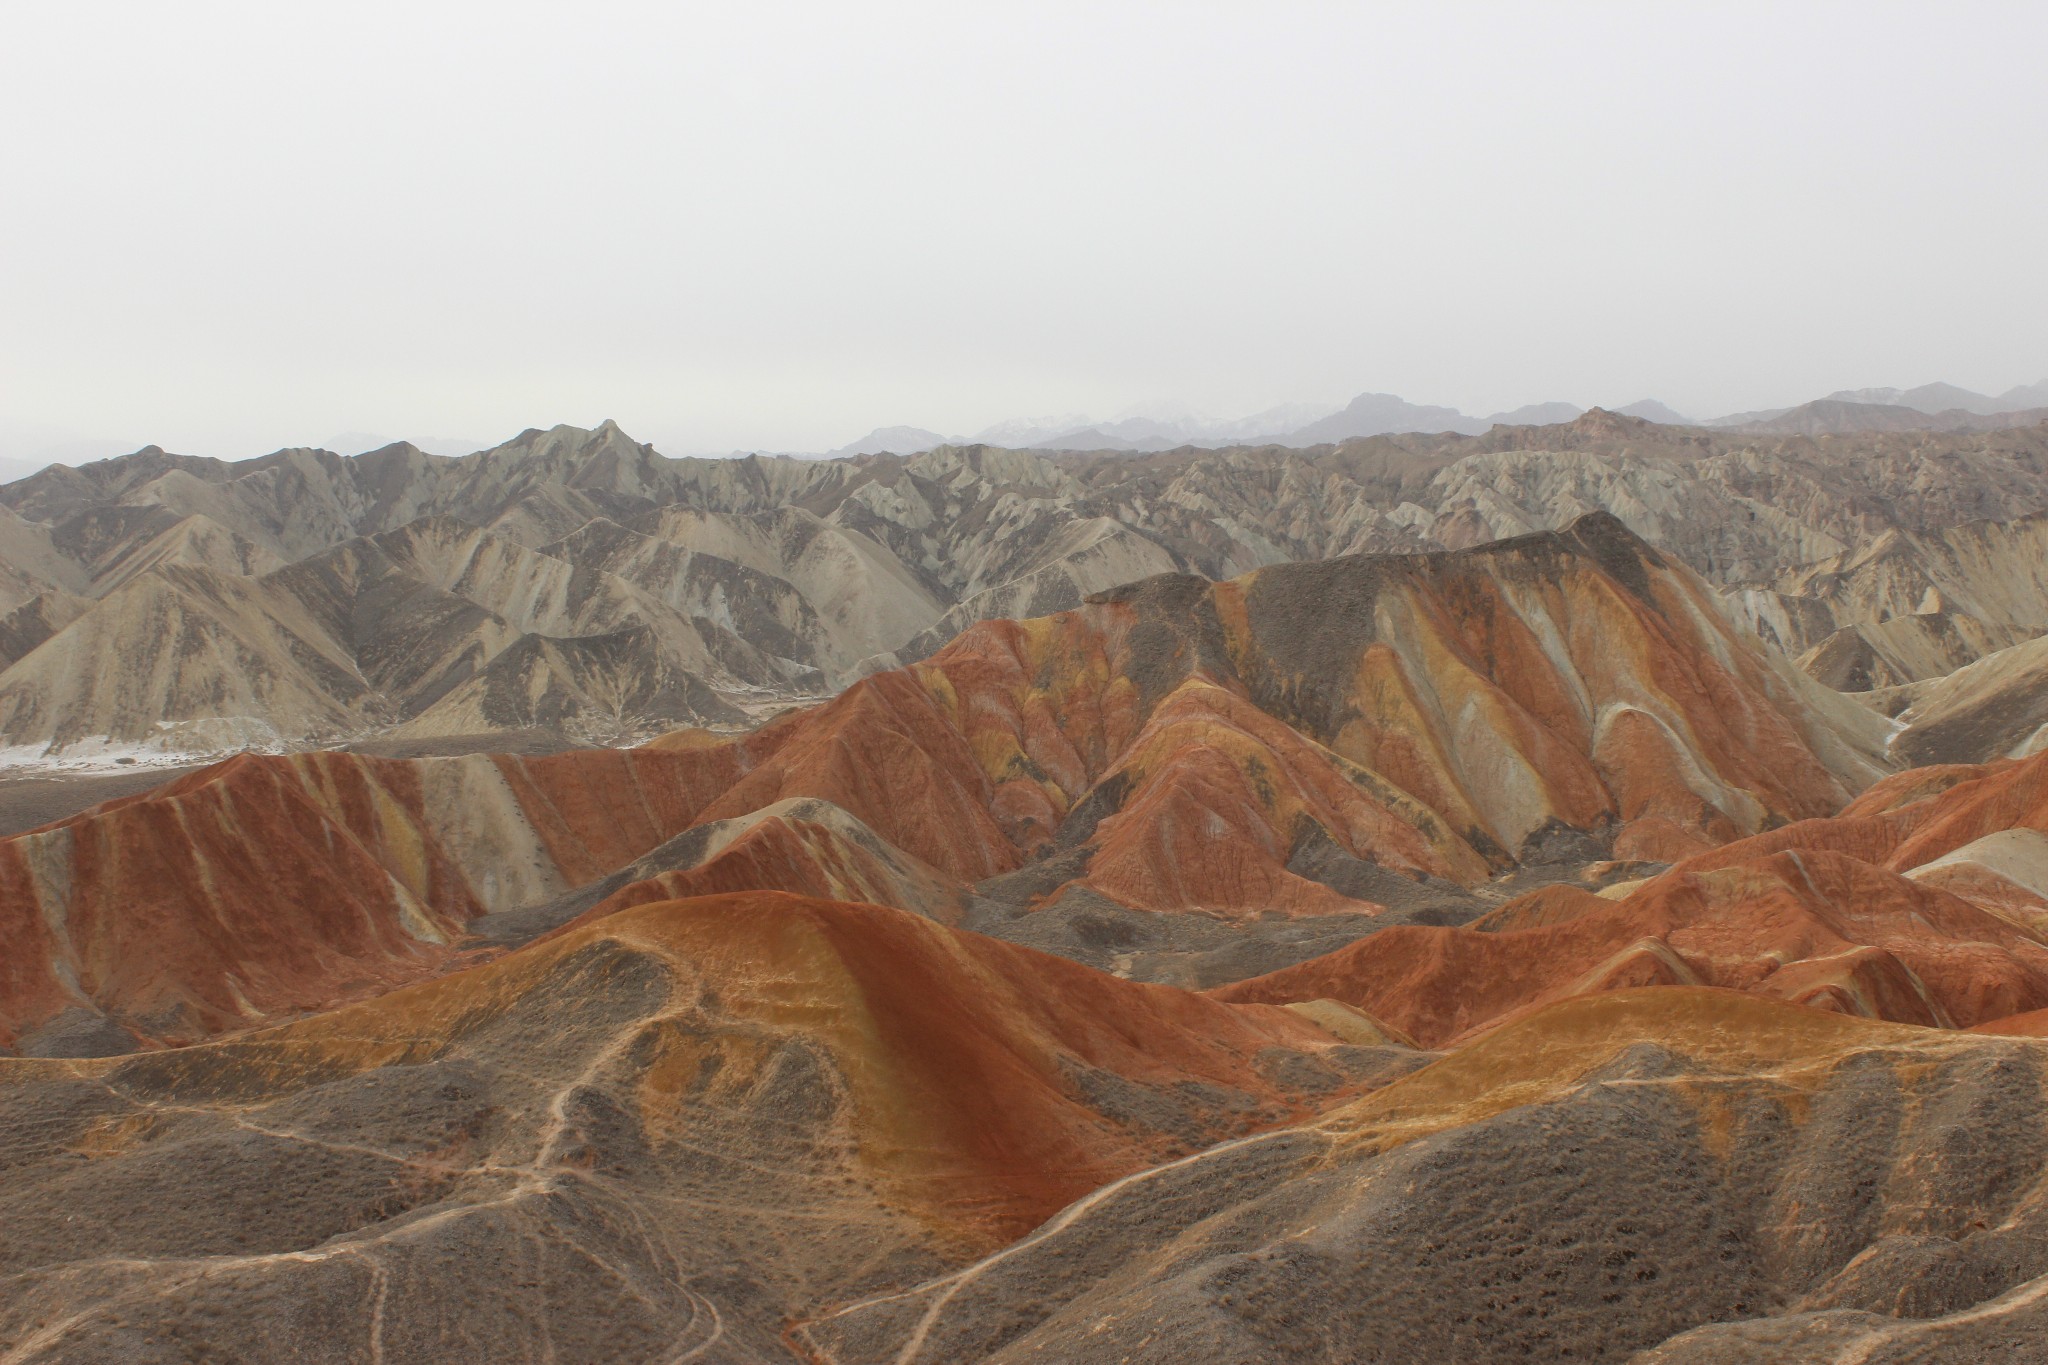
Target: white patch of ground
{"x":176,"y":744}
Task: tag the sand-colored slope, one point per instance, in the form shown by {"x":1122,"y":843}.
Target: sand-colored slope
{"x":767,"y":613}
{"x":439,"y":625}
{"x":1076,"y":560}
{"x":186,"y":647}
{"x":536,"y":592}
{"x":1995,"y":707}
{"x":1586,"y":1184}
{"x":36,"y":620}
{"x":1903,"y":650}
{"x":610,"y":688}
{"x":193,"y":540}
{"x":672,"y":1128}
{"x":1993,"y":572}
{"x":411,"y":640}
{"x":30,"y":554}
{"x":862,"y":599}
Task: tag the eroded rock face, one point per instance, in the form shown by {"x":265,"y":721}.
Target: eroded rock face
{"x":1908,"y":606}
{"x":1996,"y":707}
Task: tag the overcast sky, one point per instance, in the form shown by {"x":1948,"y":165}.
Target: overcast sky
{"x":233,"y":227}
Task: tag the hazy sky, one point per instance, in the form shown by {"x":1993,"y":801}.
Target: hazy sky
{"x":228,"y":228}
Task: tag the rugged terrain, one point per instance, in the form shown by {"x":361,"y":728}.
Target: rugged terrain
{"x":1633,"y":1173}
{"x":1181,"y":781}
{"x":1186,"y":932}
{"x":661,"y":1134}
{"x":581,"y":584}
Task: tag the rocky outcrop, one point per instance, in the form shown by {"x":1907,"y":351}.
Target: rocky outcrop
{"x":1908,"y":606}
{"x":1996,"y":707}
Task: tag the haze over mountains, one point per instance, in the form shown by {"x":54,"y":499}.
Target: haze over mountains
{"x":1930,"y":407}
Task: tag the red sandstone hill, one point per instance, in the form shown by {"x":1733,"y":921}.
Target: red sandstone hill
{"x":1175,"y":743}
{"x":265,"y":887}
{"x":1437,"y":715}
{"x":1925,"y":901}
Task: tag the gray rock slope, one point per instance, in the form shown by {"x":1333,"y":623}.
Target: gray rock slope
{"x":186,"y":603}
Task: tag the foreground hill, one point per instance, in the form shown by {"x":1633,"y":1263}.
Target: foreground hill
{"x":667,"y":1132}
{"x":1685,"y":1173}
{"x":580,"y":583}
{"x":267,"y":887}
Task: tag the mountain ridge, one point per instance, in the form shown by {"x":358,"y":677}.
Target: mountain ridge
{"x":762,"y":582}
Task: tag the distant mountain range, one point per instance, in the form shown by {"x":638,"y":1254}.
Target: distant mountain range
{"x":24,"y":449}
{"x":1890,"y":410}
{"x":1930,"y":407}
{"x":1836,"y":417}
{"x":1293,"y":424}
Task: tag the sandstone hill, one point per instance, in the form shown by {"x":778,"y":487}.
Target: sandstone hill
{"x":1994,"y":707}
{"x":1916,"y":906}
{"x":1180,"y":780}
{"x":1908,"y":606}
